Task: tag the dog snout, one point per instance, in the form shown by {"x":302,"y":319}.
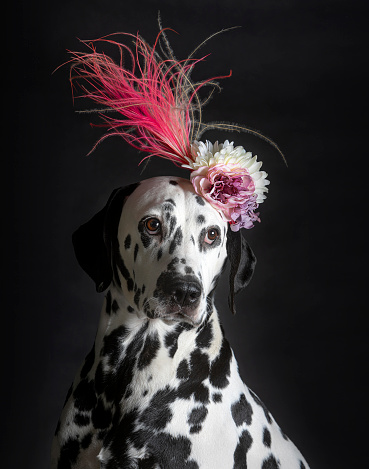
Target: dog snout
{"x":181,"y":290}
{"x":185,"y":293}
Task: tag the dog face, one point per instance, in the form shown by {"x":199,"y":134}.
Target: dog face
{"x":173,"y":246}
{"x":164,"y":248}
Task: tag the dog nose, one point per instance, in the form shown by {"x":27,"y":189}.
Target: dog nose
{"x":185,"y":293}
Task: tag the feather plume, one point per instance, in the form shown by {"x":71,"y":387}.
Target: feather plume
{"x":157,"y":107}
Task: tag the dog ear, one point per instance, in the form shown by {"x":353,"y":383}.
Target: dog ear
{"x":92,"y":240}
{"x":242,"y":261}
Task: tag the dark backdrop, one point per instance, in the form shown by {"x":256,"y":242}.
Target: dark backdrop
{"x":298,"y":75}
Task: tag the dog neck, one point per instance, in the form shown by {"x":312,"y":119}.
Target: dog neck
{"x":128,"y":342}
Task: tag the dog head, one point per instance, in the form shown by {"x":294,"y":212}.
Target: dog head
{"x":164,"y":247}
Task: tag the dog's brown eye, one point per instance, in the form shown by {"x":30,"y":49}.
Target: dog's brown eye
{"x":211,"y":236}
{"x":153,"y":225}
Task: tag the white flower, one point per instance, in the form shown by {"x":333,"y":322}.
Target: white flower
{"x":208,"y":154}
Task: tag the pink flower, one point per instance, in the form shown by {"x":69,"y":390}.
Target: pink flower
{"x":230,"y":190}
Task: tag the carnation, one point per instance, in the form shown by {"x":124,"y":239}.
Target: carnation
{"x":230,"y":180}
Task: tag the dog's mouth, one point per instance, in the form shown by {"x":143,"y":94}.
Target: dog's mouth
{"x":171,"y":312}
{"x":182,"y":316}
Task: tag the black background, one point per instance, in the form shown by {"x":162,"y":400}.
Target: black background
{"x":300,"y":76}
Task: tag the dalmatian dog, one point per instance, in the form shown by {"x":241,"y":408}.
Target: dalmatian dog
{"x":160,"y":388}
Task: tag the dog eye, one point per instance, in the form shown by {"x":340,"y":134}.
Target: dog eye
{"x":153,"y":226}
{"x":211,"y":236}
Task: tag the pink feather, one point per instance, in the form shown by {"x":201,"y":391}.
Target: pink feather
{"x":156,"y":101}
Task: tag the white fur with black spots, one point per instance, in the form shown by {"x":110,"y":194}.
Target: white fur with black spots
{"x":160,"y":388}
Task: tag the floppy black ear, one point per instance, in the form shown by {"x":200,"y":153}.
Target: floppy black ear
{"x":243,"y":263}
{"x":92,"y":240}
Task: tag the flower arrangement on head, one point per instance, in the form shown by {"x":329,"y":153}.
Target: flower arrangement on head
{"x":159,"y":111}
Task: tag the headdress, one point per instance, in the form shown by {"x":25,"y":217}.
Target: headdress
{"x":158,"y":110}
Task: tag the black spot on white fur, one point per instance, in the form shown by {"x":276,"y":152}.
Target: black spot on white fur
{"x":183,"y":371}
{"x":189,"y":270}
{"x":171,"y":341}
{"x":81,"y":420}
{"x":177,"y":240}
{"x":160,"y":253}
{"x":242,"y":448}
{"x":127,"y":242}
{"x":149,"y":351}
{"x":267,"y":439}
{"x":145,"y":237}
{"x":135,"y":252}
{"x":205,"y":336}
{"x":171,"y":201}
{"x":124,"y":271}
{"x":270,"y":463}
{"x":196,"y":418}
{"x":172,"y":225}
{"x":220,"y":368}
{"x":242,"y":411}
{"x":200,"y":200}
{"x":158,"y":413}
